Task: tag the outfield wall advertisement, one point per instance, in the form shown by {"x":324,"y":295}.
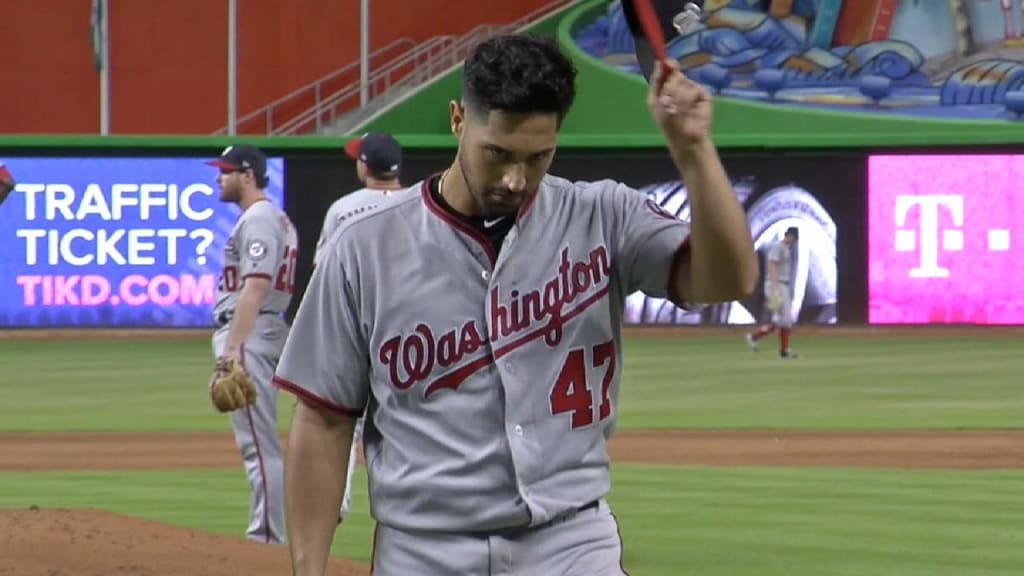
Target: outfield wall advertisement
{"x":123,"y":241}
{"x":92,"y":242}
{"x":946,"y":232}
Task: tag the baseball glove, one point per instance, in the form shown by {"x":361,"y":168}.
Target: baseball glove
{"x":230,"y":387}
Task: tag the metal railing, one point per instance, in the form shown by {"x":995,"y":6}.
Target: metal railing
{"x":418,"y":65}
{"x":312,"y":92}
{"x":446,"y":53}
{"x":455,"y":50}
{"x":428,"y":56}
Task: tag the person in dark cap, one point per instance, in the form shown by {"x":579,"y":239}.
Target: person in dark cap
{"x":256,"y":285}
{"x":378,"y":159}
{"x":7,"y":183}
{"x":778,"y":292}
{"x":250,"y":163}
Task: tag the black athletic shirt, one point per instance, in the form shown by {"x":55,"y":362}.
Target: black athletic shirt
{"x":495,"y":234}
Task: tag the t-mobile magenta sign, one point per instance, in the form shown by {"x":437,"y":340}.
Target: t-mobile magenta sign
{"x":945,"y":233}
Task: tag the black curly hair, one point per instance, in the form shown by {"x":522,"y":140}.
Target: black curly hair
{"x":518,"y":73}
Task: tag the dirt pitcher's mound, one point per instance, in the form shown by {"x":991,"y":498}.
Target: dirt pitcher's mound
{"x":94,"y":543}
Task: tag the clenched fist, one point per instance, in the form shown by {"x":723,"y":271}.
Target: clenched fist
{"x":680,"y":107}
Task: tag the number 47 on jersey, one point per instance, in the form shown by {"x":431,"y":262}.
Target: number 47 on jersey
{"x":572,"y":394}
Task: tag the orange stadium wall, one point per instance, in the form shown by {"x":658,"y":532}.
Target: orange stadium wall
{"x":169,"y":57}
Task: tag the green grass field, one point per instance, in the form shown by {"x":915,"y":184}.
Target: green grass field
{"x":675,"y":520}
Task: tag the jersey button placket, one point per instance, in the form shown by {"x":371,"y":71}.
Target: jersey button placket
{"x":521,"y":458}
{"x":516,"y":447}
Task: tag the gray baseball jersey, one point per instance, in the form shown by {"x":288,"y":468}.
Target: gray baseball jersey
{"x":263,"y":243}
{"x":349,"y":205}
{"x":782,"y":256}
{"x":490,"y":381}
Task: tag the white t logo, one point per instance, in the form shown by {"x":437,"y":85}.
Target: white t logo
{"x":952,"y":240}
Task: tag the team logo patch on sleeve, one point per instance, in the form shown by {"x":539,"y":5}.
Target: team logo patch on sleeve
{"x":659,"y":210}
{"x":257,"y":250}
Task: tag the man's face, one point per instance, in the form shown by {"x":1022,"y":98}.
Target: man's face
{"x":231,"y":183}
{"x":504,"y":156}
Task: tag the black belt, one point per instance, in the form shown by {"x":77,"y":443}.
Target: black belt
{"x":566,"y":516}
{"x":588,"y":506}
{"x":221,"y":320}
{"x":519,"y":530}
{"x":224,"y":318}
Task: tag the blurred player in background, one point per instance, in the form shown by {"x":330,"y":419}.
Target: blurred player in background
{"x":378,"y":164}
{"x":7,"y":183}
{"x":1012,"y":35}
{"x":778,"y":292}
{"x":256,"y":286}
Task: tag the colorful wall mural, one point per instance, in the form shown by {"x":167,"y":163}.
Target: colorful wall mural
{"x":935,"y":58}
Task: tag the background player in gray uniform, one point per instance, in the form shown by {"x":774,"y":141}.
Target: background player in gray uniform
{"x":378,"y":164}
{"x":256,"y":285}
{"x":378,"y":159}
{"x":778,"y":294}
{"x":477,"y":317}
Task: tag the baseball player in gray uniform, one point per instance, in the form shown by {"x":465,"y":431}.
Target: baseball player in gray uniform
{"x":256,"y":286}
{"x":378,"y":165}
{"x":476,"y":318}
{"x":378,"y":159}
{"x":778,"y":293}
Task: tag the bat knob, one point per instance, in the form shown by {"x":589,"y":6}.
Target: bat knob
{"x":687,"y":20}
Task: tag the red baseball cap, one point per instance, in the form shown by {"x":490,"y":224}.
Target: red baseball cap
{"x":5,"y":176}
{"x":352,"y":148}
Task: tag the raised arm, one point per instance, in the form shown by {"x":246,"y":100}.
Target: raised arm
{"x":720,"y":264}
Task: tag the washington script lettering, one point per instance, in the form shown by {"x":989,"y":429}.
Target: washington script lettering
{"x":413,"y":357}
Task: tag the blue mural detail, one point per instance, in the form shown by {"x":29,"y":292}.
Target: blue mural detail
{"x":742,"y":51}
{"x":986,"y":82}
